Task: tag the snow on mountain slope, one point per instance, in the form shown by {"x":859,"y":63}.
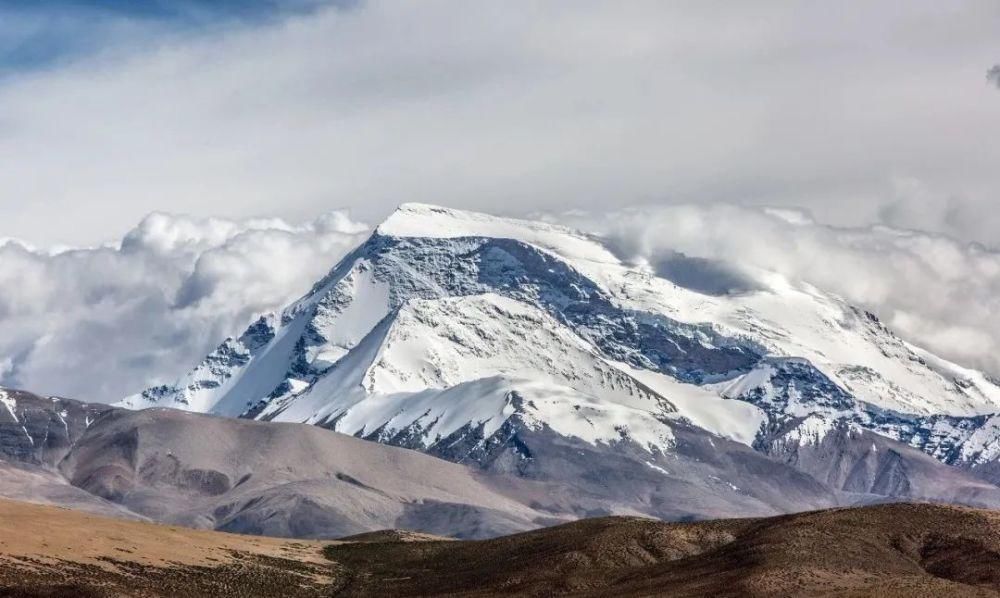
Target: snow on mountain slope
{"x":790,"y":319}
{"x":450,"y":323}
{"x":705,"y":407}
{"x":220,"y":382}
{"x":797,"y":320}
{"x":243,"y":370}
{"x":439,"y":343}
{"x":440,"y":365}
{"x":416,"y":220}
{"x":803,"y":406}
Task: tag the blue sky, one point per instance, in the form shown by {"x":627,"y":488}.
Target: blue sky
{"x":44,"y":33}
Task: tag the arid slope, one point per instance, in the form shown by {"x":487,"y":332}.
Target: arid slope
{"x":51,"y":551}
{"x":887,"y":550}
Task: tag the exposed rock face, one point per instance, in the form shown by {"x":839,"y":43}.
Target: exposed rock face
{"x":40,"y":431}
{"x":805,"y":408}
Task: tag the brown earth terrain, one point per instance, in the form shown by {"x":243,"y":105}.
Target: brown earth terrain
{"x":887,"y":550}
{"x":52,"y":551}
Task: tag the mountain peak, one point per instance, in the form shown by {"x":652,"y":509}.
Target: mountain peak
{"x":430,"y":221}
{"x":469,"y":334}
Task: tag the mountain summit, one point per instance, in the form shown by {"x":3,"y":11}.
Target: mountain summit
{"x":529,"y":347}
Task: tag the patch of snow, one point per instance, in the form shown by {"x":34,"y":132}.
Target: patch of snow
{"x":983,"y":445}
{"x":62,"y":418}
{"x":652,"y":465}
{"x":10,"y":403}
{"x":812,"y":430}
{"x":731,"y":486}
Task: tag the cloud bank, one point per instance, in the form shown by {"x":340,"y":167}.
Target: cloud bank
{"x":932,"y":290}
{"x":96,"y":324}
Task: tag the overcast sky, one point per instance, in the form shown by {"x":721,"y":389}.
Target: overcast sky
{"x":873,"y":117}
{"x":859,"y":112}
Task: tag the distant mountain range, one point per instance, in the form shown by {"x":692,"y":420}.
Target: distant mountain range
{"x":545,"y":379}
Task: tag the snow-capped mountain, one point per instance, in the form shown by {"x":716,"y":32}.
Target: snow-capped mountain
{"x":459,"y":333}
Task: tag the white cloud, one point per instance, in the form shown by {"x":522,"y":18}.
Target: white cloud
{"x":935,"y":291}
{"x":551,"y":105}
{"x":99,"y":323}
